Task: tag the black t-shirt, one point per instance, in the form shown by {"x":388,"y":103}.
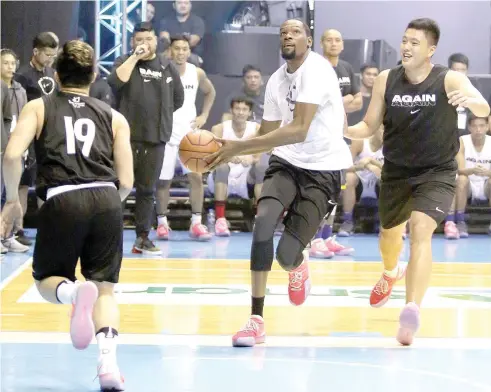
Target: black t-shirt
{"x":193,"y":25}
{"x":348,"y":83}
{"x":101,"y":90}
{"x":355,"y":117}
{"x":419,"y":123}
{"x":36,"y":83}
{"x":76,"y":143}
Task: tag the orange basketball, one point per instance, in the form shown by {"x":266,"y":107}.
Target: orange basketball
{"x":195,"y":146}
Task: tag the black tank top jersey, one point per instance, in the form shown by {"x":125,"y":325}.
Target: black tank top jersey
{"x":76,"y":143}
{"x":419,"y":122}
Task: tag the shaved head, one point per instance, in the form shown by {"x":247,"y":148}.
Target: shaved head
{"x":332,"y":43}
{"x":331,"y":33}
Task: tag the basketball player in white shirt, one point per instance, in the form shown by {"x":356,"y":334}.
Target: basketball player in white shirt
{"x":368,"y":161}
{"x":474,"y":176}
{"x":184,"y":121}
{"x":242,"y":173}
{"x":303,"y":123}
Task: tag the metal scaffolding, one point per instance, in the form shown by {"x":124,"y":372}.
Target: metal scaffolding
{"x":113,"y":26}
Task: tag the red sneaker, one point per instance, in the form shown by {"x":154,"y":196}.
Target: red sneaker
{"x":299,"y":282}
{"x":337,"y":248}
{"x":382,"y":290}
{"x":253,"y":333}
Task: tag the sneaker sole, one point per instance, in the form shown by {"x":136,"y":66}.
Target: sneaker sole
{"x":109,"y":383}
{"x":409,"y":322}
{"x":82,"y":328}
{"x":248,"y":341}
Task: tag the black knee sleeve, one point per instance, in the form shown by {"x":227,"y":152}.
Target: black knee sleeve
{"x":289,"y":252}
{"x":262,"y":250}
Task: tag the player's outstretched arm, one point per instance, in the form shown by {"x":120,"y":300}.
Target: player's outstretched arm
{"x":375,"y":113}
{"x":461,"y":93}
{"x":123,"y":156}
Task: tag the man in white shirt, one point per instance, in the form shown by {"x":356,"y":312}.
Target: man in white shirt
{"x":303,"y":123}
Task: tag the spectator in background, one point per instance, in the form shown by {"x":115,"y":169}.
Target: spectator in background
{"x":6,"y":121}
{"x":369,"y":73}
{"x":253,"y":89}
{"x":17,"y":99}
{"x":37,"y":77}
{"x":332,"y":46}
{"x":187,"y":24}
{"x":474,"y":176}
{"x":149,"y":17}
{"x":148,"y":90}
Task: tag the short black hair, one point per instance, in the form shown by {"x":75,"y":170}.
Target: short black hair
{"x":45,"y":40}
{"x":143,"y":27}
{"x":179,"y":38}
{"x":248,"y":68}
{"x":472,"y":117}
{"x":75,"y":64}
{"x":245,"y":100}
{"x":429,"y":26}
{"x":6,"y":51}
{"x":306,"y":28}
{"x":458,"y":58}
{"x":366,"y":66}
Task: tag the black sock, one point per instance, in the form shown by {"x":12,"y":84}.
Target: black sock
{"x":107,"y":331}
{"x":257,"y":306}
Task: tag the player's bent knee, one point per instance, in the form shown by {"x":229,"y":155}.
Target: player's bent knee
{"x":262,"y":254}
{"x":104,"y":288}
{"x":287,"y":259}
{"x":221,"y":174}
{"x":422,"y":226}
{"x":351,"y":180}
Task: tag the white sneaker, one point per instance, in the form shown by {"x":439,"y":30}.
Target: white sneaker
{"x":110,"y":378}
{"x":15,"y":246}
{"x":3,"y":248}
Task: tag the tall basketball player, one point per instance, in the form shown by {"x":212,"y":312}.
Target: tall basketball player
{"x":83,"y":156}
{"x":303,"y":123}
{"x":417,"y":103}
{"x":185,"y":120}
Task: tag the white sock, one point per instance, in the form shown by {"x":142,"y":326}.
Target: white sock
{"x":195,"y":219}
{"x":162,"y":220}
{"x":393,"y":273}
{"x":107,"y":346}
{"x":66,"y":292}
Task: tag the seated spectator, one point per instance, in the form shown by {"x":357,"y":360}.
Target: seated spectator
{"x":363,"y":177}
{"x":184,"y":23}
{"x":252,"y":89}
{"x":474,"y":178}
{"x":242,"y":176}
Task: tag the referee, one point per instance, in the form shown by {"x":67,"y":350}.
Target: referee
{"x":148,"y":90}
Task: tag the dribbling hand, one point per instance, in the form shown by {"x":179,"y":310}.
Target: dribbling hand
{"x":228,"y":150}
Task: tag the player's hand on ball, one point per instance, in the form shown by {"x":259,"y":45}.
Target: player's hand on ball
{"x":199,"y":122}
{"x":457,"y":98}
{"x":227,"y":151}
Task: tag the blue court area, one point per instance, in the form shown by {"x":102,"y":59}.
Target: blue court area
{"x":344,"y":362}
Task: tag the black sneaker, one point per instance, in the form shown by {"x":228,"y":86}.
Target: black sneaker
{"x":144,"y":246}
{"x":22,"y":238}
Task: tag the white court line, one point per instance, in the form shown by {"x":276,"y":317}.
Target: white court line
{"x":272,"y":341}
{"x":21,"y":268}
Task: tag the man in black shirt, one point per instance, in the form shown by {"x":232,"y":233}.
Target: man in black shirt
{"x":417,"y":103}
{"x":148,"y":90}
{"x":83,"y":156}
{"x":185,"y":23}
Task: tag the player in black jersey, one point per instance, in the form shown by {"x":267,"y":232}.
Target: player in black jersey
{"x":417,"y":104}
{"x":83,"y":156}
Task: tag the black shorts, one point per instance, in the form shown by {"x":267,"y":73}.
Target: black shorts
{"x":28,"y":177}
{"x":308,"y":195}
{"x":86,"y":224}
{"x":404,"y":190}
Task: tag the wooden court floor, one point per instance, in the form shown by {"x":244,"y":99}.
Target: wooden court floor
{"x":211,"y":297}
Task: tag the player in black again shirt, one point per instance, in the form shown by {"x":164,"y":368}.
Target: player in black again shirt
{"x":83,"y":155}
{"x":417,"y":103}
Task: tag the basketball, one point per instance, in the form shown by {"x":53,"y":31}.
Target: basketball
{"x":195,"y":146}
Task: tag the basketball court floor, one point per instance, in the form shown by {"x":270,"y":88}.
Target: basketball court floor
{"x":179,"y":311}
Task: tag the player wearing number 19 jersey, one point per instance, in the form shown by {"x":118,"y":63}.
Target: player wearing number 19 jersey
{"x":83,"y":157}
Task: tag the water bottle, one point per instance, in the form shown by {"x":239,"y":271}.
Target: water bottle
{"x":210,"y":220}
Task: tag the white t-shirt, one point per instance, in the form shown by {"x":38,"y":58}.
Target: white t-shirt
{"x":315,"y":82}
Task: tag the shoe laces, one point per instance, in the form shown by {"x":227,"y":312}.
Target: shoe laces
{"x":296,"y":279}
{"x":382,"y":286}
{"x":251,"y":326}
